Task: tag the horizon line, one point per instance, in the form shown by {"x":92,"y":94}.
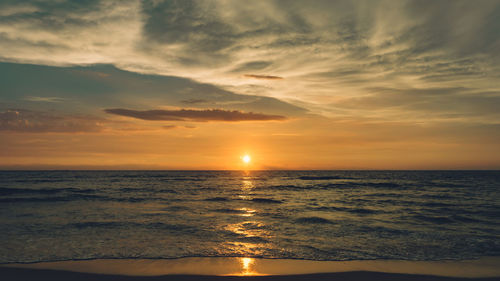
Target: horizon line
{"x":237,"y":170}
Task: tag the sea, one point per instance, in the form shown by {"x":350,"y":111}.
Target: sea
{"x":311,"y":215}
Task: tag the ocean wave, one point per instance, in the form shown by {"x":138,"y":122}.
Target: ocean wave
{"x":216,"y":199}
{"x":229,"y":211}
{"x":50,"y":199}
{"x":321,"y":178}
{"x":289,"y":187}
{"x":265,"y":200}
{"x":376,"y":215}
{"x":338,"y":185}
{"x":468,"y":219}
{"x":140,"y":189}
{"x":38,"y":180}
{"x":82,"y":197}
{"x":246,"y":239}
{"x":386,"y":195}
{"x":349,"y":210}
{"x":143,"y":176}
{"x":380,"y":184}
{"x":10,"y":191}
{"x":131,"y":225}
{"x":432,"y":219}
{"x":359,"y":185}
{"x":313,"y":220}
{"x":435,"y":204}
{"x":437,"y":196}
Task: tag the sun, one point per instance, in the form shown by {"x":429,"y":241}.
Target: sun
{"x":246,"y":159}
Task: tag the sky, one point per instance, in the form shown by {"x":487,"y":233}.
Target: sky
{"x":294,"y":84}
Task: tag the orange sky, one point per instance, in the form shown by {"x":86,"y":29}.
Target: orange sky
{"x":295,"y":144}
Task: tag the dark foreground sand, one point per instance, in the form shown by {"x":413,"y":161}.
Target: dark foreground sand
{"x":24,"y":274}
{"x":252,"y":269}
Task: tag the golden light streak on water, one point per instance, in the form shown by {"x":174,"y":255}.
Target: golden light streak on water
{"x":247,"y":267}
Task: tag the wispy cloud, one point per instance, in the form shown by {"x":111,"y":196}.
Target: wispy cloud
{"x":464,"y":104}
{"x":44,"y":99}
{"x":169,"y":127}
{"x":195,"y":115}
{"x":326,"y":50}
{"x":31,"y":86}
{"x":29,"y":121}
{"x":264,"y":77}
{"x":195,"y":101}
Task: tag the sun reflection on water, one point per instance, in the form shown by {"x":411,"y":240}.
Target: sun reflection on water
{"x":251,"y":233}
{"x":247,"y":267}
{"x":247,"y":184}
{"x":247,"y":212}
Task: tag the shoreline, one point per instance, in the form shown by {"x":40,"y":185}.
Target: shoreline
{"x":222,"y":268}
{"x":17,"y":274}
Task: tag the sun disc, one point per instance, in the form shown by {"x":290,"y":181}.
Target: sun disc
{"x":246,"y":159}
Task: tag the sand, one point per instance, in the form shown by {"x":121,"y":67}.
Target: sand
{"x":253,"y":269}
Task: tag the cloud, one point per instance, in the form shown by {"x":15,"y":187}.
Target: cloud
{"x":195,"y":115}
{"x":29,"y":121}
{"x":104,"y":86}
{"x":329,"y":51}
{"x":252,"y":66}
{"x":264,"y":77}
{"x":431,"y":104}
{"x":193,"y":24}
{"x":194,"y":101}
{"x":169,"y":127}
{"x":44,"y":99}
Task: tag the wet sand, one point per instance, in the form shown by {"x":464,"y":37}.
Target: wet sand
{"x":253,"y":269}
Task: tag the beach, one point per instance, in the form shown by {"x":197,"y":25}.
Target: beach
{"x":253,"y":269}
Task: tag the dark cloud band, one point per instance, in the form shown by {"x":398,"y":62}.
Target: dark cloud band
{"x":195,"y":115}
{"x":264,"y":77}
